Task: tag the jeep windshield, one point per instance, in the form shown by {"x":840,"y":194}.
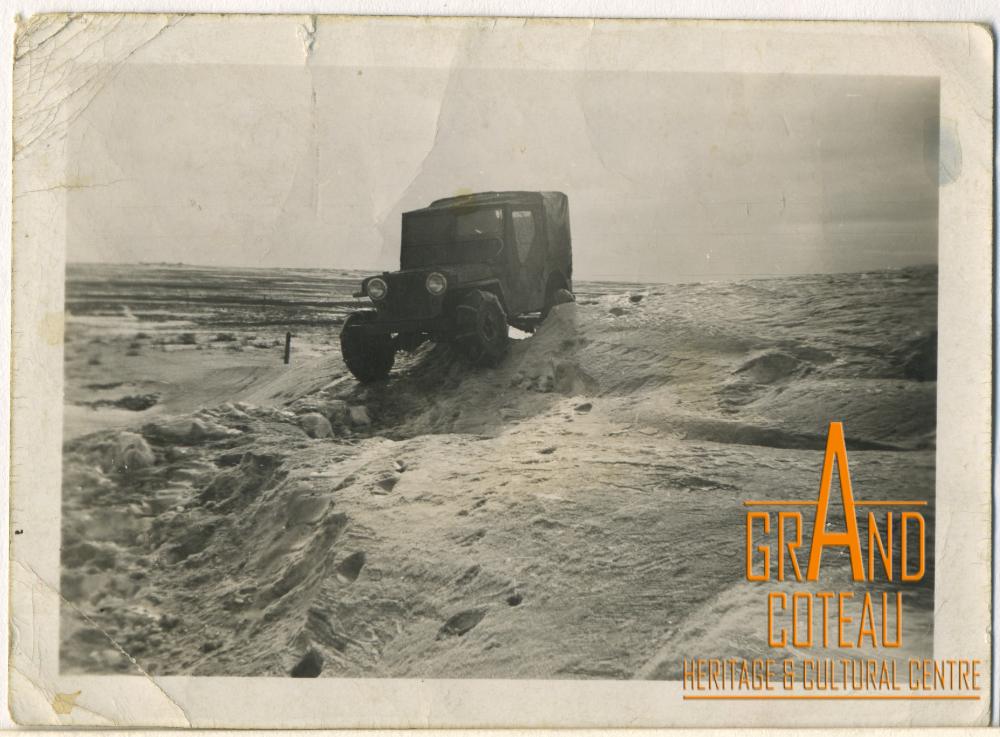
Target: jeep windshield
{"x":451,"y":237}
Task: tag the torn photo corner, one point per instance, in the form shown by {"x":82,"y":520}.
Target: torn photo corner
{"x":474,"y":372}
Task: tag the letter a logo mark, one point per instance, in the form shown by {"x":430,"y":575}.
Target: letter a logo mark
{"x":836,"y":452}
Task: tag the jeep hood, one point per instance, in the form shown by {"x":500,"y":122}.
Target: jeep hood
{"x":456,"y":273}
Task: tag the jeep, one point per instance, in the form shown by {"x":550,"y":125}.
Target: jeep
{"x":469,"y":267}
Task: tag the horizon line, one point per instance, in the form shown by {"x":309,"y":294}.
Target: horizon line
{"x":619,"y":278}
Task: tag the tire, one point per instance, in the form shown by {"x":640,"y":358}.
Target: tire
{"x":482,"y":328}
{"x":368,"y":357}
{"x":556,"y":297}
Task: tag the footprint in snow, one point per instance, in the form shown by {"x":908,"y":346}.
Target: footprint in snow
{"x":350,"y":567}
{"x":460,"y":623}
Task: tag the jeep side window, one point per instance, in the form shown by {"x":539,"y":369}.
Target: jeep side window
{"x":524,"y":232}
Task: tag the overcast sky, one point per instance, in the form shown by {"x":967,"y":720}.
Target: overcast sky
{"x":669,"y":176}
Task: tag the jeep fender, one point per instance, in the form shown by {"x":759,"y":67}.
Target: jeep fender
{"x":487,"y":285}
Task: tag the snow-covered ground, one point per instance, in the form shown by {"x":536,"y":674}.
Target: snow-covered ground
{"x":576,"y":512}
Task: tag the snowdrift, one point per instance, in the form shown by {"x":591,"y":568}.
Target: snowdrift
{"x":572,"y":513}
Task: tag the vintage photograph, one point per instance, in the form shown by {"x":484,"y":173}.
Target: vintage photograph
{"x":481,"y":369}
{"x":495,"y":414}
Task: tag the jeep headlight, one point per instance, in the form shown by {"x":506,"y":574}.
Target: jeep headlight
{"x":377,"y":289}
{"x":436,"y":283}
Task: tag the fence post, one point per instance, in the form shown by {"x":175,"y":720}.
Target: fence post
{"x":288,"y":346}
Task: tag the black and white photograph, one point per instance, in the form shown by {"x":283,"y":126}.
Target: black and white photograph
{"x":492,"y":369}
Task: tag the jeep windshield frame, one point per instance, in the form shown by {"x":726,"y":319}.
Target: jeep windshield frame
{"x":452,"y":236}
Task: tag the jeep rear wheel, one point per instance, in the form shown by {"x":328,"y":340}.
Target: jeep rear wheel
{"x":368,"y":357}
{"x":482,"y":328}
{"x":556,"y":297}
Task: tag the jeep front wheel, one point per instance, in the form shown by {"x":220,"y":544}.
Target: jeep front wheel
{"x":369,"y":357}
{"x":482,"y":328}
